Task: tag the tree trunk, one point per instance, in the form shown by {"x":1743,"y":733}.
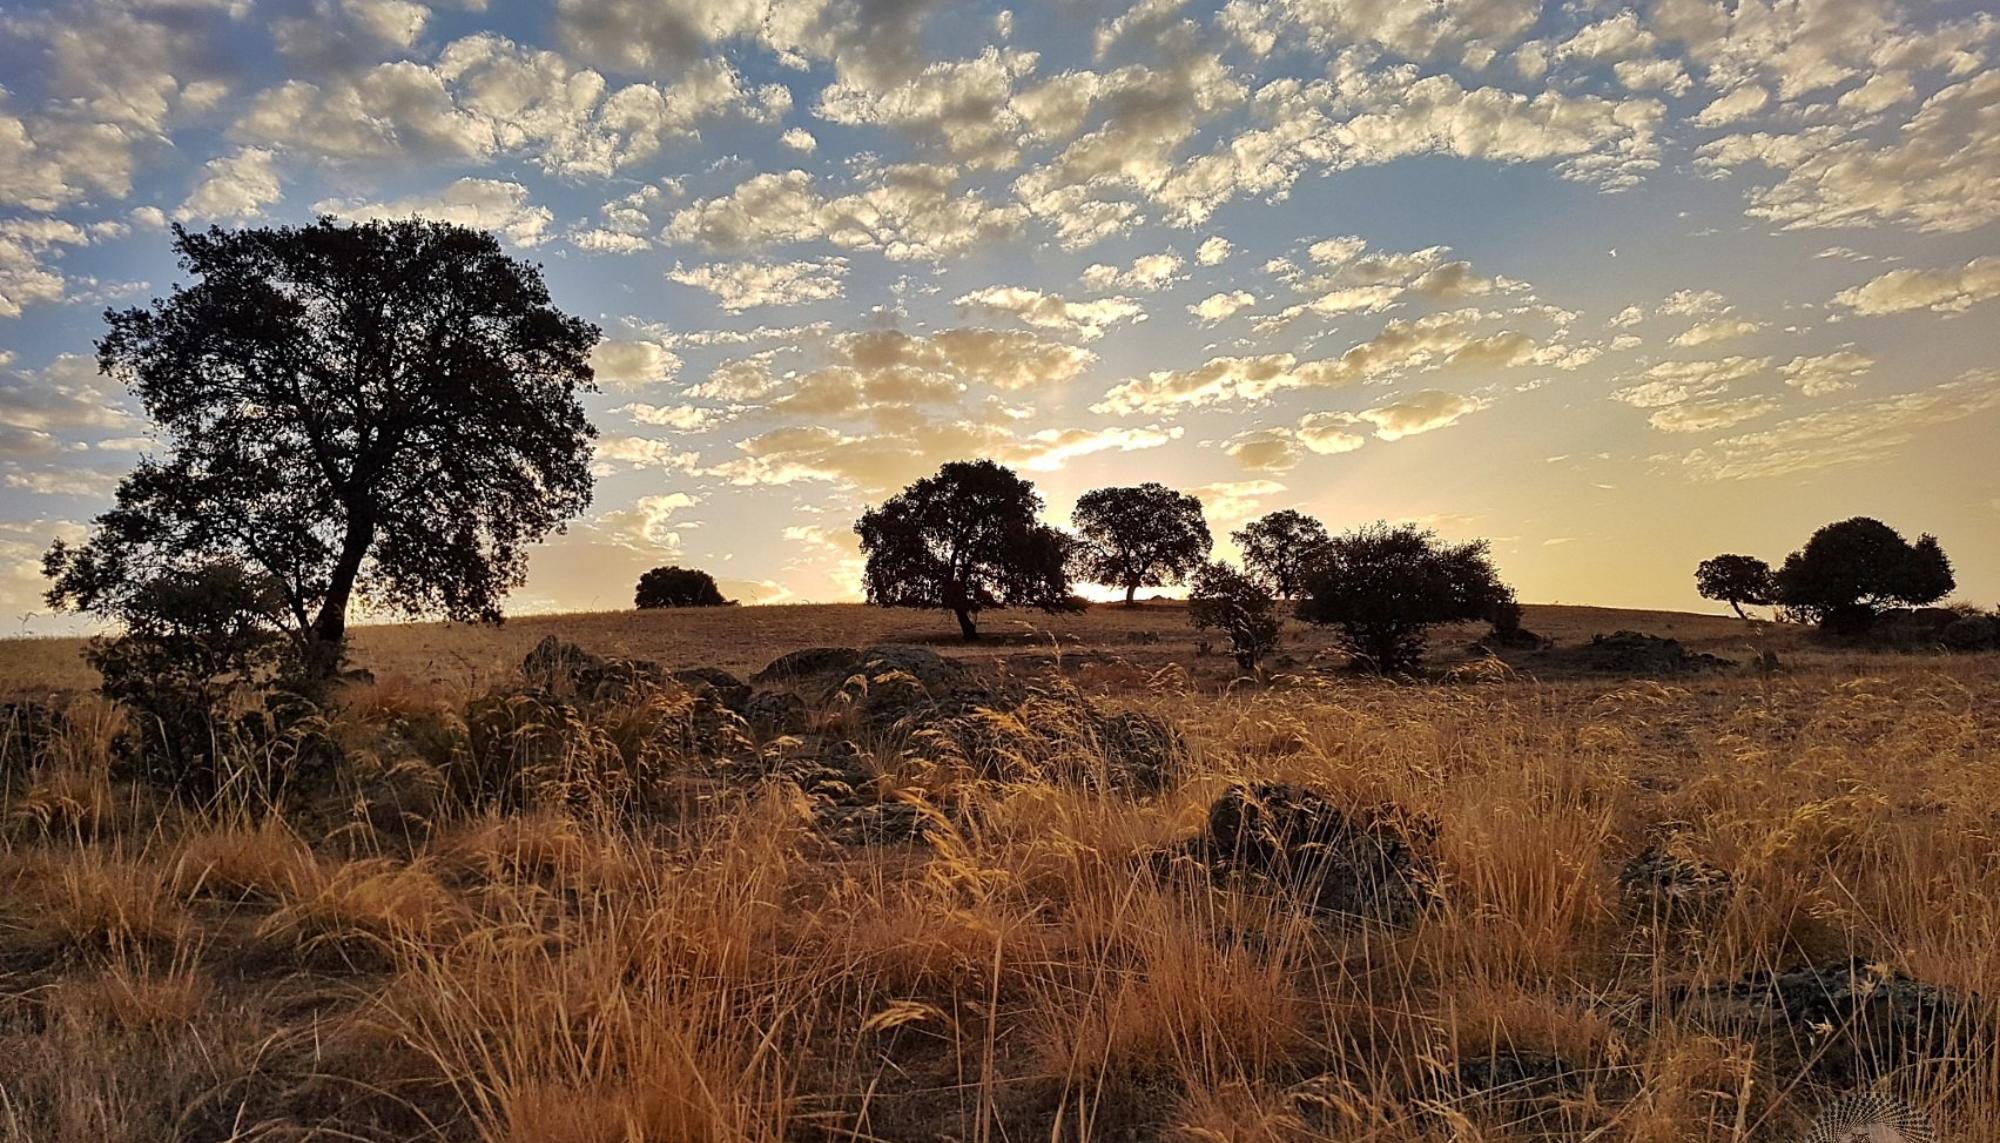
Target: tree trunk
{"x":965,"y":627}
{"x":1131,"y":589}
{"x":1739,"y":609}
{"x":328,"y":637}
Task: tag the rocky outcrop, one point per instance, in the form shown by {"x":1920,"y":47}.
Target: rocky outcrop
{"x":1637,"y":653}
{"x":1352,"y":864}
{"x":1663,"y":886}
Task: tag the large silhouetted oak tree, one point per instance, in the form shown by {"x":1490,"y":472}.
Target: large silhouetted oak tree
{"x":386,"y":409}
{"x":1141,"y":536}
{"x":1735,"y":580}
{"x":965,"y":540}
{"x":1849,"y":571}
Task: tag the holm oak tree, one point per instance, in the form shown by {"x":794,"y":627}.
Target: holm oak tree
{"x":965,"y":540}
{"x":1142,"y":536}
{"x":386,"y":410}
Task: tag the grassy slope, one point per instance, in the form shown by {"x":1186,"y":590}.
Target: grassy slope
{"x":744,"y":638}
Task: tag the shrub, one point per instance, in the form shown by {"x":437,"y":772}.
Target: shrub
{"x":678,"y":587}
{"x":1849,"y":571}
{"x":1227,"y":600}
{"x":1383,"y":587}
{"x":195,"y":641}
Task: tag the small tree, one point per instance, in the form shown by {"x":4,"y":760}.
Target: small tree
{"x":678,"y":587}
{"x":1383,"y":587}
{"x":1142,"y":536}
{"x":963,"y":541}
{"x":388,"y":408}
{"x":1849,"y":571}
{"x":1225,"y":599}
{"x":1735,"y":580}
{"x":1281,"y":548}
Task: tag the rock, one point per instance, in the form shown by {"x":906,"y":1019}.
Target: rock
{"x":555,"y":664}
{"x":1970,"y":633}
{"x":843,"y":791}
{"x":734,"y":692}
{"x":1360,"y":865}
{"x":1141,"y":751}
{"x":774,"y":714}
{"x":810,"y":663}
{"x":1637,"y":653}
{"x":895,"y":683}
{"x":1848,"y":1021}
{"x":1659,"y":884}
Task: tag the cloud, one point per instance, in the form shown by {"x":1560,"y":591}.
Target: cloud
{"x":644,"y":453}
{"x":64,"y":397}
{"x":1671,"y":382}
{"x":26,"y":247}
{"x":1952,"y":290}
{"x":1741,"y":103}
{"x":630,"y":363}
{"x":746,"y":285}
{"x":961,"y":105}
{"x":1862,"y":432}
{"x":1709,"y":415}
{"x":648,"y":524}
{"x":909,"y":212}
{"x":878,"y":463}
{"x":1213,"y":251}
{"x":1147,"y":272}
{"x":1442,"y":340}
{"x":1230,"y":502}
{"x":1718,"y":329}
{"x":1265,"y":450}
{"x":1220,"y":306}
{"x":1940,"y":172}
{"x":1420,"y":413}
{"x":484,"y":204}
{"x":1826,"y":373}
{"x":1087,"y":320}
{"x":236,"y":187}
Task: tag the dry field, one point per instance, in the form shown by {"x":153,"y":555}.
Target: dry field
{"x":383,"y":960}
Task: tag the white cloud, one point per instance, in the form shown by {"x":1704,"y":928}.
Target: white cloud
{"x":745,"y":285}
{"x":1213,"y":251}
{"x":1420,"y":413}
{"x":1710,"y":415}
{"x":1826,"y":373}
{"x":1717,"y":329}
{"x":1222,"y":305}
{"x":912,"y":211}
{"x":484,"y":204}
{"x":1861,"y":432}
{"x":237,"y":187}
{"x":1741,"y":103}
{"x":799,"y":139}
{"x":1952,"y":290}
{"x":1087,"y":320}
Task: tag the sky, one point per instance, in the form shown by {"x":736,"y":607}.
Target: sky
{"x":1614,"y":288}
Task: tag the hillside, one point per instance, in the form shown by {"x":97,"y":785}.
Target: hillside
{"x":742,"y":639}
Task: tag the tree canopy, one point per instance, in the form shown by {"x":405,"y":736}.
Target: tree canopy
{"x":1145,"y":535}
{"x":1735,"y":580}
{"x":1280,"y":549}
{"x":1382,"y":587}
{"x":965,"y":540}
{"x":386,"y":409}
{"x":678,"y":587}
{"x":1238,"y":605}
{"x":1849,"y":571}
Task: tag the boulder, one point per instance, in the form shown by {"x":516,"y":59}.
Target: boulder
{"x":1637,"y":653}
{"x":734,"y":692}
{"x":1141,"y":751}
{"x":843,"y":792}
{"x":1970,"y":633}
{"x":774,"y":714}
{"x":808,"y":664}
{"x":1849,"y":1021}
{"x":1657,"y":884}
{"x":894,"y":683}
{"x":1356,"y":865}
{"x":556,"y":664}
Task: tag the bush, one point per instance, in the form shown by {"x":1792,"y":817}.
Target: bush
{"x":1383,"y":587}
{"x":1228,"y":600}
{"x":196,"y":640}
{"x":1849,"y":571}
{"x":678,"y":587}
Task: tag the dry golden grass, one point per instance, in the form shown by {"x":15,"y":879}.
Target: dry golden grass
{"x":1031,"y":971}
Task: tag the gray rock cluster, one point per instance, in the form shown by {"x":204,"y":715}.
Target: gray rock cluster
{"x":1637,"y":653}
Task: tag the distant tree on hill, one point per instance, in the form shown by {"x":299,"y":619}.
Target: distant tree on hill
{"x":678,"y":587}
{"x":387,"y":408}
{"x":1141,"y":536}
{"x":1240,"y":606}
{"x":1382,"y":587}
{"x":1849,"y":571}
{"x":1280,"y":548}
{"x":965,"y":540}
{"x":1736,"y":580}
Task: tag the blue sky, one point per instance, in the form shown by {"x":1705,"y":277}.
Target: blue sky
{"x":1615,"y":287}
